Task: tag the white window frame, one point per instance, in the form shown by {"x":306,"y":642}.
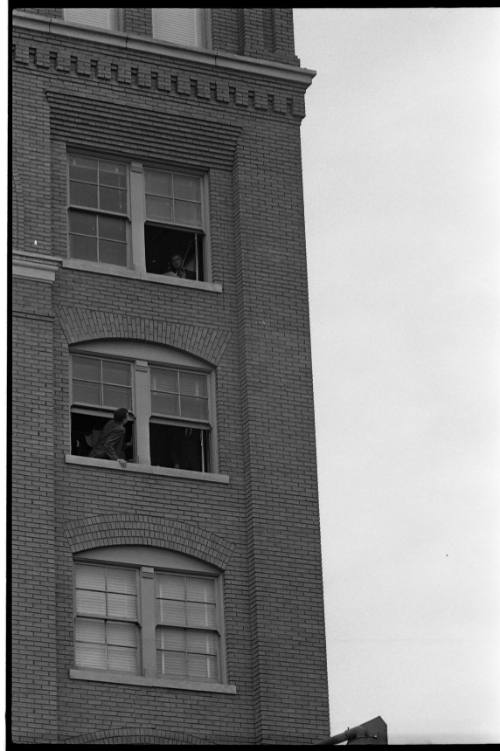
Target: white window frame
{"x":141,"y":357}
{"x":148,"y":561}
{"x":137,"y":218}
{"x":201,"y":19}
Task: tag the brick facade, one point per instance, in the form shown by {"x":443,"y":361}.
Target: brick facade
{"x":235,"y":114}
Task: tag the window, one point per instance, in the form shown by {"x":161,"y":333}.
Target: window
{"x":103,"y":18}
{"x":148,"y":612}
{"x":129,"y":215}
{"x":169,"y":395}
{"x":186,"y":26}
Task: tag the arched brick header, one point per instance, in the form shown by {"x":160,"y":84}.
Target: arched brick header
{"x":82,"y":324}
{"x":144,"y":529}
{"x":134,"y":735}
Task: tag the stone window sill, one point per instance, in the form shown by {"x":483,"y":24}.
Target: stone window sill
{"x":110,"y":270}
{"x":147,"y":469}
{"x":141,"y":680}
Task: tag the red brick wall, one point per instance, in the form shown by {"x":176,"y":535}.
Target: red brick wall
{"x":245,"y":130}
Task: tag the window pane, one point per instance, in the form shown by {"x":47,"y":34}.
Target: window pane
{"x":83,"y":194}
{"x":164,"y":404}
{"x":194,"y":408}
{"x":111,"y":252}
{"x":193,"y":384}
{"x":169,"y":586}
{"x":198,"y":614}
{"x":112,"y":174}
{"x":187,"y":213}
{"x":113,"y":199}
{"x":86,"y":368}
{"x":98,"y":17}
{"x":122,"y":606}
{"x":121,"y":634}
{"x":86,"y":393}
{"x":82,"y":224}
{"x":83,"y":247}
{"x":201,"y":668}
{"x":164,"y":380}
{"x":112,"y":228}
{"x":177,"y":25}
{"x":188,"y":188}
{"x":90,"y":656}
{"x":122,"y":659}
{"x":83,"y":168}
{"x":159,"y":208}
{"x":200,"y":590}
{"x":116,"y":372}
{"x":202,"y":642}
{"x":90,"y":631}
{"x":172,"y":612}
{"x":171,"y":638}
{"x":116,"y":396}
{"x":172,"y":664}
{"x":90,"y":577}
{"x":159,"y":183}
{"x":119,"y":580}
{"x":91,"y":603}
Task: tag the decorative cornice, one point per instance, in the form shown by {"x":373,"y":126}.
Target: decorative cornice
{"x":165,"y":75}
{"x":35,"y":265}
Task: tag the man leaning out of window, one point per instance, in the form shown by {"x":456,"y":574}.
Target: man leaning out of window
{"x":110,"y":444}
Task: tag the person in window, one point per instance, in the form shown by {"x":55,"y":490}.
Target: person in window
{"x":110,"y":442}
{"x":176,"y":268}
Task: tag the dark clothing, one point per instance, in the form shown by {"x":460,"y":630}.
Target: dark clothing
{"x":110,"y":442}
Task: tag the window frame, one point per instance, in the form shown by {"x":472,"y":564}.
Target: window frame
{"x":143,"y":357}
{"x":136,"y":217}
{"x":147,"y":563}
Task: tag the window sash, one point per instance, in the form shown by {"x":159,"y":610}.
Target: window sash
{"x":182,"y":394}
{"x":101,"y":390}
{"x":104,"y":18}
{"x":179,"y":25}
{"x":165,"y":190}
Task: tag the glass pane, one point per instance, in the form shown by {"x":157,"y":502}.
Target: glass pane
{"x":90,"y":656}
{"x":198,"y":615}
{"x":193,"y":384}
{"x":172,"y":612}
{"x":116,"y":372}
{"x":173,"y":664}
{"x":91,"y":603}
{"x":159,"y":183}
{"x":200,"y":667}
{"x":83,"y":168}
{"x":159,"y":208}
{"x":90,"y":631}
{"x":187,"y":213}
{"x":116,"y":396}
{"x":164,"y":380}
{"x":170,"y":586}
{"x":188,"y":188}
{"x":112,"y":174}
{"x":111,"y":252}
{"x":122,"y":606}
{"x":112,"y":228}
{"x":123,"y":659}
{"x":119,"y":580}
{"x":90,"y":577}
{"x":83,"y":194}
{"x":86,"y":393}
{"x":194,"y":408}
{"x":201,"y":590}
{"x":83,"y":224}
{"x":113,"y":199}
{"x":202,"y":642}
{"x":164,"y":404}
{"x":86,"y":368}
{"x":83,"y":247}
{"x":171,"y":638}
{"x":122,"y":634}
{"x":99,"y":17}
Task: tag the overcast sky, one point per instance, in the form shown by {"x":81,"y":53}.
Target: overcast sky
{"x":401,"y":158}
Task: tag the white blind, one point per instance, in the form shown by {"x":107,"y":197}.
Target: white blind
{"x":98,"y":17}
{"x":178,"y":25}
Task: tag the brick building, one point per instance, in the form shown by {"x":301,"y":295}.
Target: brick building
{"x":159,"y":265}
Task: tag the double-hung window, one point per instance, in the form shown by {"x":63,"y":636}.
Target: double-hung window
{"x":169,"y":395}
{"x":146,"y":218}
{"x":187,"y":26}
{"x":150,"y":613}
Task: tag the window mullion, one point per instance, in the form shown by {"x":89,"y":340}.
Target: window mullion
{"x":137,"y":215}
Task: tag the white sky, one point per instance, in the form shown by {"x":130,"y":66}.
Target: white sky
{"x":401,"y":158}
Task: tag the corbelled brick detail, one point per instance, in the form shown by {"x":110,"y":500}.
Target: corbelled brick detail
{"x":82,"y":324}
{"x":143,"y":529}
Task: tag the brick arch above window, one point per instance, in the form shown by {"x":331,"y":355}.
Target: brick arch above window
{"x":81,"y":325}
{"x":144,"y":529}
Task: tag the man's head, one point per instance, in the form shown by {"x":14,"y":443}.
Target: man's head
{"x":121,"y":415}
{"x":176,"y":261}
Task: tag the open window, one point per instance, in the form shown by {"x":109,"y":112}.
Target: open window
{"x":169,"y":395}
